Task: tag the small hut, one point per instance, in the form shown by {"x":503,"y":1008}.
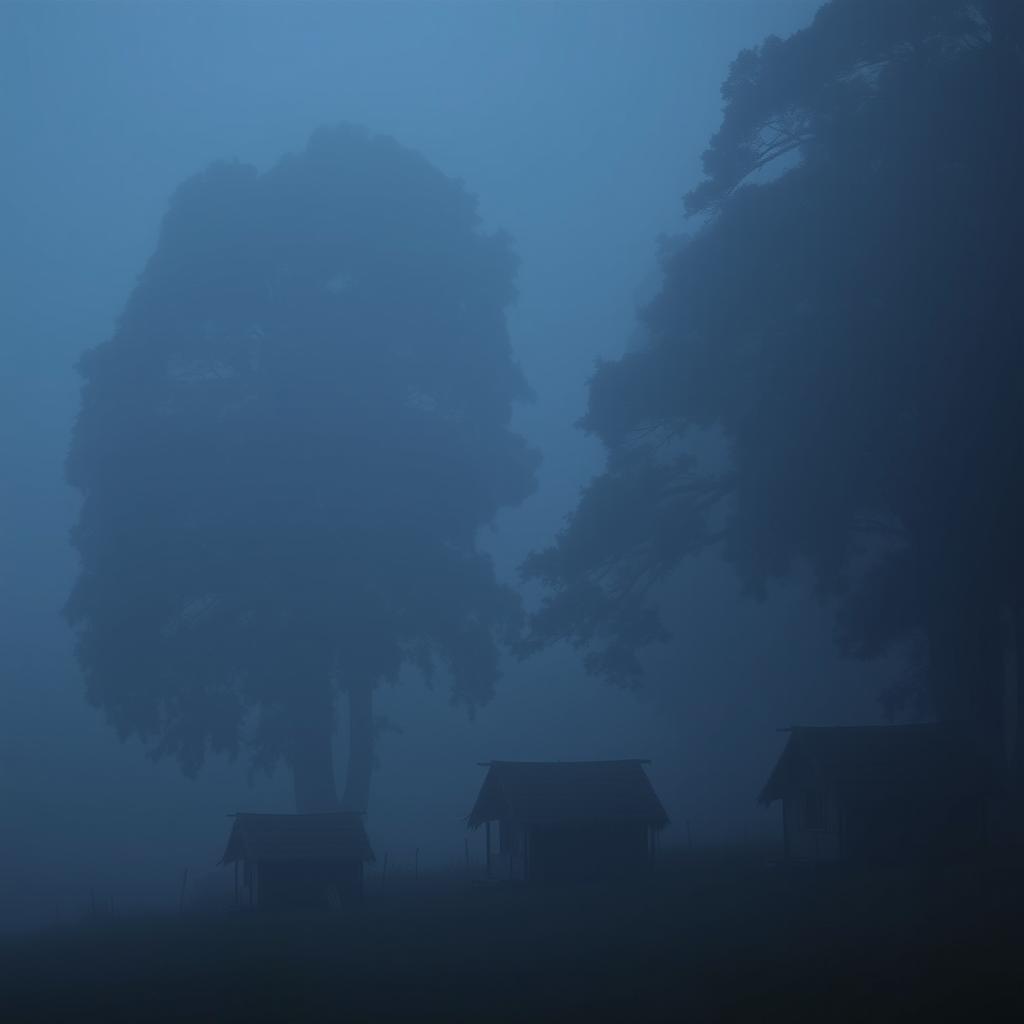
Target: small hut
{"x":566,"y":820}
{"x":298,"y":861}
{"x":878,"y":794}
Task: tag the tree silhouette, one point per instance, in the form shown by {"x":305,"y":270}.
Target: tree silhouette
{"x":843,"y":331}
{"x":285,"y":453}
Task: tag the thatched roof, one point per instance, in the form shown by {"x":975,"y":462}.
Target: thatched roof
{"x":568,"y":792}
{"x":298,"y":837}
{"x":866,"y":759}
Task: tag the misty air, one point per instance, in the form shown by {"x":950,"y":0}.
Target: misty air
{"x":511,"y":511}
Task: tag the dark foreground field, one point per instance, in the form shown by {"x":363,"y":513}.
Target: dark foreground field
{"x":721,"y":937}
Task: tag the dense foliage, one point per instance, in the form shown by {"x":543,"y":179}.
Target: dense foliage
{"x":845,"y":329}
{"x":285,"y":452}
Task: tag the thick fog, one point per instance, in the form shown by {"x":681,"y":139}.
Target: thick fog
{"x":579,"y":128}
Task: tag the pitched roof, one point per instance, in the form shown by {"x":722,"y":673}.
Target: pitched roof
{"x":567,"y":792}
{"x":873,"y":758}
{"x":296,"y":837}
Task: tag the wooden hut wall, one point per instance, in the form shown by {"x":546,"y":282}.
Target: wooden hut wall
{"x":309,"y":885}
{"x":587,"y":852}
{"x":813,"y":825}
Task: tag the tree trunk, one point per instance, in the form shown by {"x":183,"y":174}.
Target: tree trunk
{"x":1013,"y":718}
{"x":965,"y":670}
{"x":1017,"y":767}
{"x":360,"y":746}
{"x":311,"y":759}
{"x":1011,"y":696}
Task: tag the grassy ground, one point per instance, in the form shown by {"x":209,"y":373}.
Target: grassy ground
{"x":717,"y":937}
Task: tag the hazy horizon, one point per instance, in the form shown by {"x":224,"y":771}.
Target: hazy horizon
{"x":578,"y":127}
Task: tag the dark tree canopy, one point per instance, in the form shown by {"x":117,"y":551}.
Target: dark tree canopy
{"x":846,"y":327}
{"x":285,"y":453}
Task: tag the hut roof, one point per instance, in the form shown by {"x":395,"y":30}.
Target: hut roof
{"x":298,"y":837}
{"x":885,"y":758}
{"x":567,"y":792}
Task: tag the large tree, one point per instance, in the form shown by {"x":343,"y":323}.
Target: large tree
{"x":286,"y":451}
{"x":833,"y":372}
